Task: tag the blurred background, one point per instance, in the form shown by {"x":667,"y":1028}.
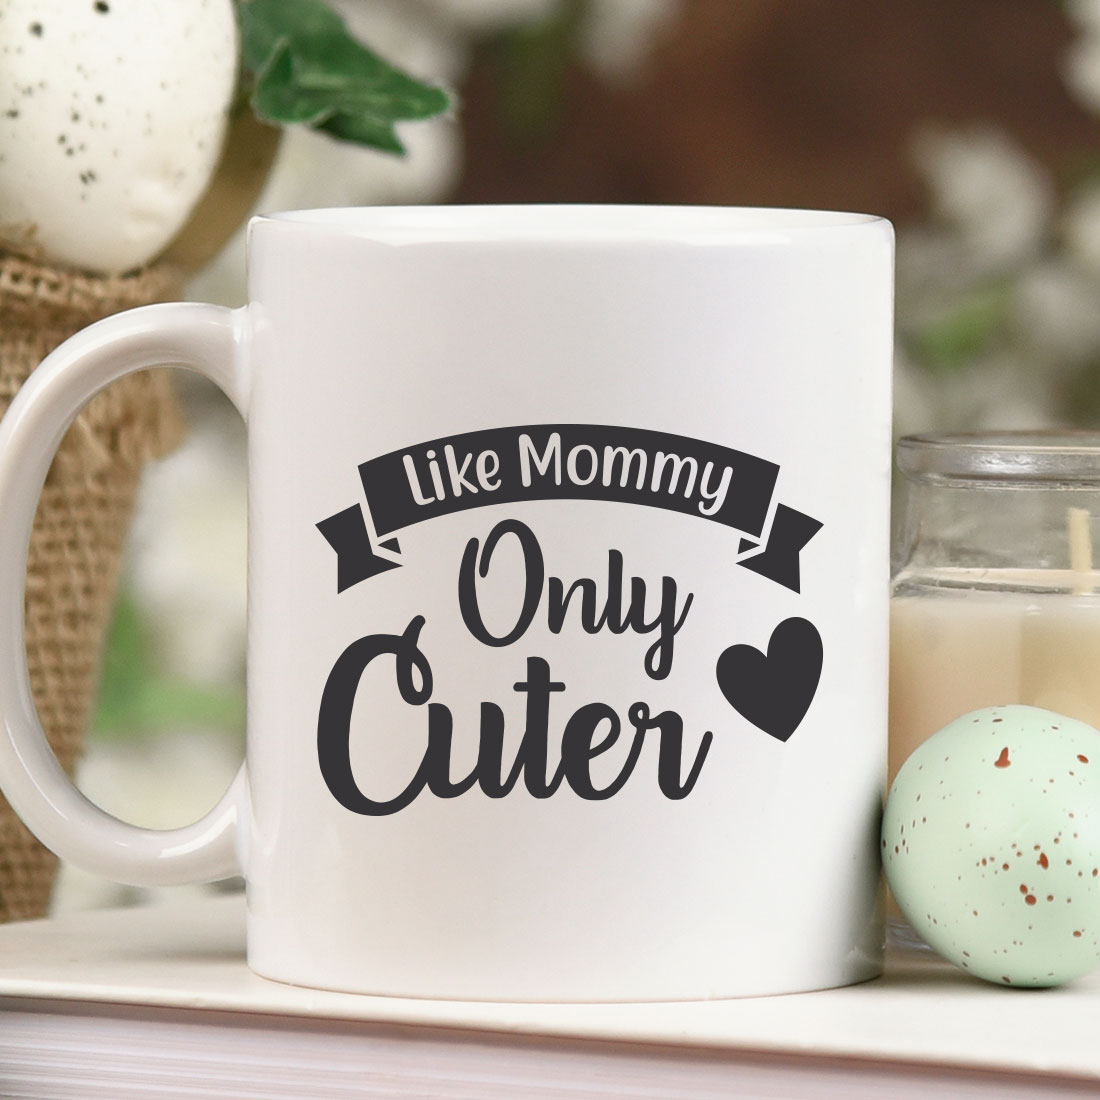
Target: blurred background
{"x":972,"y":126}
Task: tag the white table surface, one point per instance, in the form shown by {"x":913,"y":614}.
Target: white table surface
{"x":191,"y":956}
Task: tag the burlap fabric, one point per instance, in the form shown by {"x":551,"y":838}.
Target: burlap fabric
{"x":81,"y":525}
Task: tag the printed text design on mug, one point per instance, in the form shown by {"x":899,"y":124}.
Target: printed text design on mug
{"x":773,"y":689}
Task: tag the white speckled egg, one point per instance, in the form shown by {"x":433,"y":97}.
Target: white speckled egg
{"x":112,"y":114}
{"x":991,"y":844}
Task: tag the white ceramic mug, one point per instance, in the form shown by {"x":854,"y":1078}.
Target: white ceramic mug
{"x":567,"y":597}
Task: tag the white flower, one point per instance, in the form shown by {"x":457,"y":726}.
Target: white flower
{"x":1055,"y":313}
{"x":1081,"y":65}
{"x":617,"y":34}
{"x":188,"y":554}
{"x":1081,"y":229}
{"x":934,"y":267}
{"x":989,"y":193}
{"x":408,"y":34}
{"x":312,"y":169}
{"x":1081,"y":70}
{"x":915,"y":405}
{"x":1000,"y":392}
{"x":1085,"y":13}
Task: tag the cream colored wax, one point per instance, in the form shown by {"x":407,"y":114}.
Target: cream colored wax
{"x":953,"y":651}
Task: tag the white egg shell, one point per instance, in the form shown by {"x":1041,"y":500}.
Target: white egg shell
{"x":991,"y":844}
{"x":112,"y":114}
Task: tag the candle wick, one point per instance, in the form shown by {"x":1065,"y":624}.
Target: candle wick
{"x":1080,"y":549}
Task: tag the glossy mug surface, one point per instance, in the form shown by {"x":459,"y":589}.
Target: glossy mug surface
{"x":567,"y":597}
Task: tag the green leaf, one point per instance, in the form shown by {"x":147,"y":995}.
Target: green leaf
{"x":265,"y":22}
{"x":308,"y":70}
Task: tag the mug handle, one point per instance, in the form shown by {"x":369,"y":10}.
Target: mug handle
{"x":211,"y":340}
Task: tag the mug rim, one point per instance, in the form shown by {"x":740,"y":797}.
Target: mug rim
{"x":557,"y":222}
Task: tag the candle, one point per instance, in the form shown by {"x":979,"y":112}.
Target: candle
{"x":955,"y":650}
{"x":995,"y":599}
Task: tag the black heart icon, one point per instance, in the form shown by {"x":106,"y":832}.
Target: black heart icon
{"x":774,"y":690}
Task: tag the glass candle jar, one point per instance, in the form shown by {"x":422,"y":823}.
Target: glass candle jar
{"x":994,"y":598}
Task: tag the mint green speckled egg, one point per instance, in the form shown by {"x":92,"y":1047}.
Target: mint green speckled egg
{"x":991,"y":845}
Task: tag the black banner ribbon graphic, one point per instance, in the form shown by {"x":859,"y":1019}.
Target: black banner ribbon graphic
{"x":566,"y":462}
